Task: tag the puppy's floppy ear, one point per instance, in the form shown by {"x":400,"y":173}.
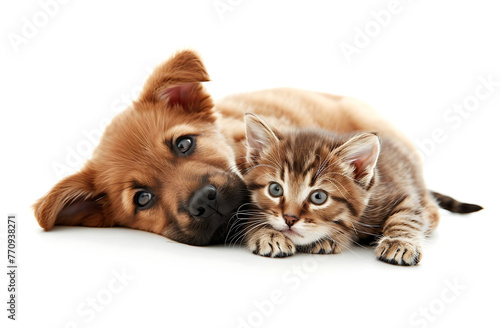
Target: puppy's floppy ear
{"x":259,"y":136}
{"x":72,"y":201}
{"x":178,"y":82}
{"x":361,"y":153}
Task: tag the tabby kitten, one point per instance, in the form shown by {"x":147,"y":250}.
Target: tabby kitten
{"x":320,"y":192}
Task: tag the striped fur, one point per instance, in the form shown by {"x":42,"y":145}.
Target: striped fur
{"x":453,"y":205}
{"x":375,"y":193}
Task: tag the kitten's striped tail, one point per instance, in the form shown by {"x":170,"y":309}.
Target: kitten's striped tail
{"x":454,"y":205}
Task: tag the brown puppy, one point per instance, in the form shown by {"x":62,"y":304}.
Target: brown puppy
{"x":161,"y":166}
{"x":167,"y":163}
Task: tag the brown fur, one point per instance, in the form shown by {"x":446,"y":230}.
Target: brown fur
{"x":136,"y":153}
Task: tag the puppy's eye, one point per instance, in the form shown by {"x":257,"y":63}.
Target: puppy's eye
{"x":275,"y":189}
{"x":318,"y":197}
{"x":143,"y":199}
{"x":185,"y":145}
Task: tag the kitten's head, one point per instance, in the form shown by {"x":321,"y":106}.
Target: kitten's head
{"x":309,"y":184}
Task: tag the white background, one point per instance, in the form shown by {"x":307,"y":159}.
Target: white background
{"x":91,"y":57}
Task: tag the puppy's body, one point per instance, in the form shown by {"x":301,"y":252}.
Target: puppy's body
{"x":287,"y":108}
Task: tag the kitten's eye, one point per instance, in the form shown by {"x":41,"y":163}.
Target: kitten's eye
{"x":143,"y":199}
{"x":318,"y":197}
{"x":185,"y":145}
{"x":275,"y":189}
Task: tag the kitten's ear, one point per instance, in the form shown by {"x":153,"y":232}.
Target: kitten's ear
{"x":178,"y":82}
{"x":259,"y":136}
{"x":361,"y":153}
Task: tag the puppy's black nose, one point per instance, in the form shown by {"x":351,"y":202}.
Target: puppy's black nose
{"x":204,"y":202}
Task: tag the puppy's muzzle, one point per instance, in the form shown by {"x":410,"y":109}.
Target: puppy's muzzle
{"x":204,"y":202}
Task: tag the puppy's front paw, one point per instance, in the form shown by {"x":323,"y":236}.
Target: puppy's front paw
{"x":270,"y":243}
{"x":399,"y":251}
{"x":326,"y":246}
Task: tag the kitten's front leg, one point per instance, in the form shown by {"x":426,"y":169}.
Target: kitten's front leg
{"x":270,"y":243}
{"x":402,"y":236}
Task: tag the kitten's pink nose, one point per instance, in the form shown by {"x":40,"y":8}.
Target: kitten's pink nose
{"x":290,"y":220}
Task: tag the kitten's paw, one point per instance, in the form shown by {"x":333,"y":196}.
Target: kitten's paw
{"x":270,"y":243}
{"x":325,"y":246}
{"x":399,"y":251}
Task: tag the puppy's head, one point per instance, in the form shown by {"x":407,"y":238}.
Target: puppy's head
{"x":161,"y":166}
